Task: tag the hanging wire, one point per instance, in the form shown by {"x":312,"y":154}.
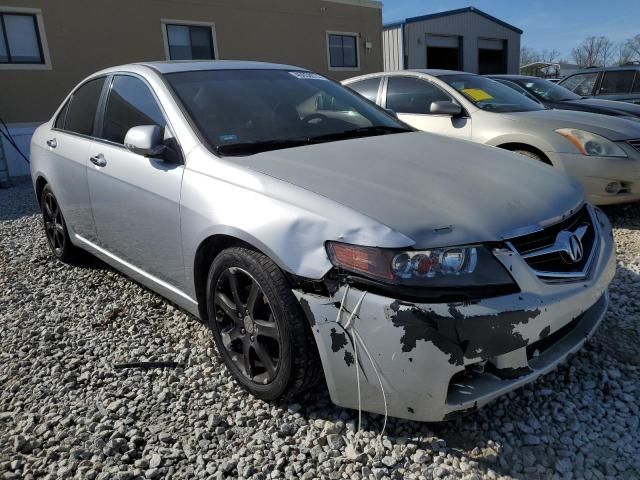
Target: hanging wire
{"x":358,"y":339}
{"x":6,"y":133}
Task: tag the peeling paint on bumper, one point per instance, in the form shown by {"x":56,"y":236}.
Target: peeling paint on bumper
{"x":427,"y":354}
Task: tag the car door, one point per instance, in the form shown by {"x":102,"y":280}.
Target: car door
{"x":411,"y":98}
{"x":136,"y":200}
{"x":618,"y":85}
{"x":69,"y":143}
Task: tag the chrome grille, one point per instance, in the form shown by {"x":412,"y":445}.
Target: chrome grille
{"x":635,"y":144}
{"x":562,"y":251}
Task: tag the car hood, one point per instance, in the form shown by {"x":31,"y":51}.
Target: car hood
{"x":435,"y":190}
{"x":619,"y":108}
{"x":613,"y":128}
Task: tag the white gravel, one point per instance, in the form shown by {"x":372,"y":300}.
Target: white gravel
{"x":65,"y":412}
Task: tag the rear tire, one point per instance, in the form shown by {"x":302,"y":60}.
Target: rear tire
{"x":258,"y":326}
{"x":55,"y":228}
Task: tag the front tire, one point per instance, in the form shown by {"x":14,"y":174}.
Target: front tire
{"x":533,"y":155}
{"x":259,"y":329}
{"x":55,"y":228}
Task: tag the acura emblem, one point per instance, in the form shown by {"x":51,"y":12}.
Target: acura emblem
{"x":568,"y":244}
{"x":575,"y":250}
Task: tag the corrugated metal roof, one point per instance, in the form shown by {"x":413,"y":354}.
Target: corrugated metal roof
{"x":453,"y":12}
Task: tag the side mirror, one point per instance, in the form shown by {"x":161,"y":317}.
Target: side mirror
{"x":445,"y":108}
{"x":145,"y":140}
{"x":392,"y":112}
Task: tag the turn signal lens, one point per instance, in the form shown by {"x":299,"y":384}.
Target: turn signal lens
{"x":370,"y":261}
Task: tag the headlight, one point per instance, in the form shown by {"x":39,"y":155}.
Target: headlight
{"x":466,"y":266}
{"x":591,"y":144}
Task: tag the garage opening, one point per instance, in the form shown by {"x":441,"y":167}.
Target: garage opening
{"x":443,"y":57}
{"x":492,"y":56}
{"x":443,"y":51}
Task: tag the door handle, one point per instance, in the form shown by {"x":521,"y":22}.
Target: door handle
{"x":52,"y":143}
{"x":99,"y":160}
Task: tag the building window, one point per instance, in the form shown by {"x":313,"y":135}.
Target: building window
{"x":20,"y":39}
{"x":343,"y":50}
{"x":190,"y":41}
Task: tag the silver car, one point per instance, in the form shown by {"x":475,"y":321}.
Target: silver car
{"x":319,"y":238}
{"x":602,"y":152}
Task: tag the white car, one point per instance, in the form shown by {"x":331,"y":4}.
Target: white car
{"x":602,"y":152}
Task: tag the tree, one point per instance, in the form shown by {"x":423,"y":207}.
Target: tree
{"x":625,"y":53}
{"x":593,"y":51}
{"x":529,"y":55}
{"x":549,"y":56}
{"x":630,"y":50}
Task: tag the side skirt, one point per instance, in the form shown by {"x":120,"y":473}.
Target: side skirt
{"x":154,"y":283}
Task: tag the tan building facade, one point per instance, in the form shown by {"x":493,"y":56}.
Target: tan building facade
{"x":47,"y":46}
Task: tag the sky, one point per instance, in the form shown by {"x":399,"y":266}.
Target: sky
{"x":547,"y":24}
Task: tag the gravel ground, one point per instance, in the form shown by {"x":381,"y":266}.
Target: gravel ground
{"x":66,"y":412}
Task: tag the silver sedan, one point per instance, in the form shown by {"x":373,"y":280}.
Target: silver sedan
{"x":320,"y":239}
{"x":601,"y":151}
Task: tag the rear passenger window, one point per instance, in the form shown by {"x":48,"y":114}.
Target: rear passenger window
{"x":412,"y":95}
{"x":82,"y":107}
{"x":617,"y":82}
{"x":130,"y":104}
{"x":367,"y":88}
{"x":581,"y":84}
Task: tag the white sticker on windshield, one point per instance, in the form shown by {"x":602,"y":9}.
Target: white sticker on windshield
{"x":308,"y":76}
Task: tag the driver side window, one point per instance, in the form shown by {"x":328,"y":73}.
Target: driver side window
{"x":130,"y":104}
{"x":412,"y":95}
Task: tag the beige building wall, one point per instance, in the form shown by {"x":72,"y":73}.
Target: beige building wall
{"x":83,"y":36}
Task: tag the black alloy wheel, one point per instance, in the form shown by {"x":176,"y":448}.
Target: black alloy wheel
{"x":55,"y":228}
{"x":245,"y":320}
{"x":260,"y":330}
{"x":53,"y":223}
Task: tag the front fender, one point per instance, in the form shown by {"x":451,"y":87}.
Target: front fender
{"x":535,"y":141}
{"x":285,"y":222}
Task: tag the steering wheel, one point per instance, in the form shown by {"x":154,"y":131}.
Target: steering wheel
{"x":315,"y":116}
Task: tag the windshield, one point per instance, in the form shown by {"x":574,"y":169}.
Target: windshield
{"x":490,"y":95}
{"x":546,"y":90}
{"x":517,"y":88}
{"x":241,"y":112}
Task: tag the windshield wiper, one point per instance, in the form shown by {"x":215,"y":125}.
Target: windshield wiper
{"x":360,"y":132}
{"x":249,"y":148}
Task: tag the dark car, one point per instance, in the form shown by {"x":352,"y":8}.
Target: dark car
{"x":608,"y":83}
{"x":552,"y":95}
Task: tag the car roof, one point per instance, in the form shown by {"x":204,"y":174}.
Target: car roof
{"x":434,"y":72}
{"x":607,"y":69}
{"x":513,"y":77}
{"x":175,"y":66}
{"x":395,"y":73}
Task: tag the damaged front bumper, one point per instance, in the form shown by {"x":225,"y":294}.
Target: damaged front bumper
{"x":435,"y":360}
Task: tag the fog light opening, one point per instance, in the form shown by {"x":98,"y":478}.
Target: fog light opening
{"x":613,"y":188}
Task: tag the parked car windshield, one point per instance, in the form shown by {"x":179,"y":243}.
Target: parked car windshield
{"x":242,"y":112}
{"x":490,"y":95}
{"x":546,"y":90}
